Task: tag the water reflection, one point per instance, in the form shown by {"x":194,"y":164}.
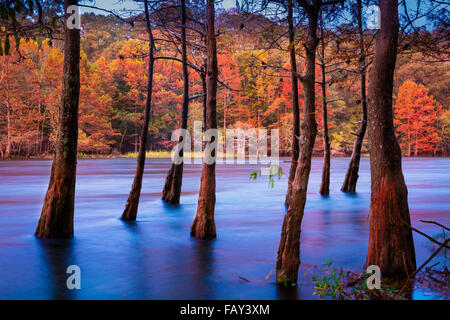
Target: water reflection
{"x":56,"y":256}
{"x":135,"y":269}
{"x":204,"y":278}
{"x":287,"y":293}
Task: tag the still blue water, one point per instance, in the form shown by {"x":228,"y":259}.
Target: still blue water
{"x":155,"y":258}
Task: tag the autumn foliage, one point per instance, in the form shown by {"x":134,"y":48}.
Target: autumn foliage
{"x":254,"y":91}
{"x":416,"y":119}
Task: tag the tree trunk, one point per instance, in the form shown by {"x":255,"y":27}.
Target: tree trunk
{"x":391,"y":244}
{"x":325,"y":185}
{"x":57,"y":212}
{"x":295,"y":105}
{"x":203,"y":78}
{"x":415,"y":147}
{"x":174,"y":180}
{"x":130,"y":212}
{"x":121,"y":140}
{"x":288,"y":259}
{"x":204,"y":226}
{"x":351,"y":177}
{"x":225,"y":112}
{"x":8,"y":117}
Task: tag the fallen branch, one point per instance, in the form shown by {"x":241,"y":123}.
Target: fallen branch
{"x":436,"y":223}
{"x":425,"y":235}
{"x":424,"y":264}
{"x":430,"y":267}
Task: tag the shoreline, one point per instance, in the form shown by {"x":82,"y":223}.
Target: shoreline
{"x":167,"y":155}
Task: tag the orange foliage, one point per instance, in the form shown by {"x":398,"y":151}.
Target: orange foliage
{"x":416,"y":116}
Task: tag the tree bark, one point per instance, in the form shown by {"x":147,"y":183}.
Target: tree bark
{"x":204,"y":226}
{"x":351,"y":177}
{"x":203,"y":78}
{"x":391,"y":244}
{"x":130,"y":212}
{"x":288,"y":259}
{"x":56,"y":219}
{"x":174,"y":180}
{"x":295,"y":104}
{"x":325,"y":185}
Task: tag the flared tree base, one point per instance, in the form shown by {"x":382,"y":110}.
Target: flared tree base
{"x":203,"y":229}
{"x":172,"y":187}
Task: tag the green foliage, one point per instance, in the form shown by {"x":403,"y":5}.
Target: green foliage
{"x":255,"y":174}
{"x":285,"y":281}
{"x":273,"y":171}
{"x":331,"y":285}
{"x":339,"y":285}
{"x":9,"y":10}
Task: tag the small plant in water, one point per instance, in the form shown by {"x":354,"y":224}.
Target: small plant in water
{"x":339,"y":285}
{"x":272,"y":171}
{"x":331,"y":285}
{"x":285,"y":281}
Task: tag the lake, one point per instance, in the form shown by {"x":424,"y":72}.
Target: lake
{"x":155,"y":257}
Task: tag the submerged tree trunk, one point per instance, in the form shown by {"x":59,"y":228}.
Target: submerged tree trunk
{"x":174,"y":180}
{"x":295,"y":105}
{"x":288,"y":259}
{"x":325,"y":185}
{"x":351,"y":177}
{"x":56,"y":219}
{"x":131,"y":207}
{"x":204,"y":226}
{"x":391,"y":244}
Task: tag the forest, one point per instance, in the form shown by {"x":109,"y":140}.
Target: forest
{"x":96,"y":106}
{"x":256,"y":91}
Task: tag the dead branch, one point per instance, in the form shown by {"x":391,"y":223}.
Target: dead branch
{"x":436,"y":223}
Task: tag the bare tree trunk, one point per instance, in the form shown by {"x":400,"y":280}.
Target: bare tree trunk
{"x":203,"y":78}
{"x":131,"y":207}
{"x":295,"y":104}
{"x":391,"y":244}
{"x":415,"y":147}
{"x":225,"y":112}
{"x":57,"y":212}
{"x":204,"y":226}
{"x":409,"y":147}
{"x":288,"y":259}
{"x":351,"y":177}
{"x":38,"y":131}
{"x":325,"y":185}
{"x":123,"y":137}
{"x":174,"y":180}
{"x":8,"y":117}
